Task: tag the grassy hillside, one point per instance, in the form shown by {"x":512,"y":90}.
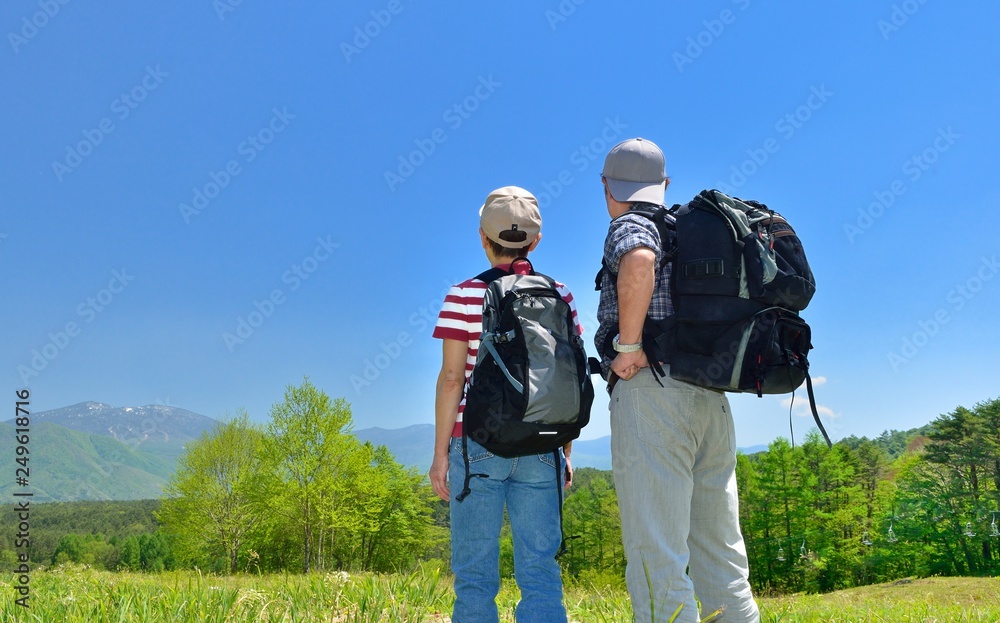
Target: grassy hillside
{"x":69,"y":465}
{"x":75,"y":595}
{"x":929,"y":599}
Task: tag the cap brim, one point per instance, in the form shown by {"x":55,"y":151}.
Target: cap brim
{"x":626,"y":192}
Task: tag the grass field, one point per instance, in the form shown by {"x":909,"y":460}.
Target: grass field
{"x":81,"y":595}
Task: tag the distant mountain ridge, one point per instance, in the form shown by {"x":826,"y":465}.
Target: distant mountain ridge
{"x":94,"y":451}
{"x":65,"y":464}
{"x":160,"y":429}
{"x":414,"y":446}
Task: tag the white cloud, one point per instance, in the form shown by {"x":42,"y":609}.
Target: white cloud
{"x":801,"y":407}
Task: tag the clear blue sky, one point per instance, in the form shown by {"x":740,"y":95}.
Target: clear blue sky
{"x":171,"y":171}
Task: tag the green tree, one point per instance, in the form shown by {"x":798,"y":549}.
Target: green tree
{"x":153,"y":552}
{"x":962,"y":462}
{"x":130,"y":558}
{"x":69,"y":549}
{"x":786,"y":488}
{"x":216,"y":496}
{"x":592,"y":526}
{"x":311,"y":442}
{"x":395,"y":515}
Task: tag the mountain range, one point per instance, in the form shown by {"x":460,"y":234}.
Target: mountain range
{"x":94,"y":451}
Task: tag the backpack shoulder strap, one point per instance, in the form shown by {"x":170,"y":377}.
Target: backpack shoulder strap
{"x":666,"y":225}
{"x":491,"y":275}
{"x":550,"y":280}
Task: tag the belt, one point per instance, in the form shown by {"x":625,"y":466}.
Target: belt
{"x":612,"y":380}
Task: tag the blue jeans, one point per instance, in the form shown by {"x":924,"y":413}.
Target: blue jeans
{"x":527,"y":486}
{"x":673,"y":451}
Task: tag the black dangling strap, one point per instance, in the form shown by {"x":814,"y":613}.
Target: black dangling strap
{"x":465,"y":458}
{"x":657,"y":369}
{"x":559,"y":487}
{"x":562,"y":537}
{"x":812,"y":405}
{"x":466,"y":490}
{"x":791,"y":430}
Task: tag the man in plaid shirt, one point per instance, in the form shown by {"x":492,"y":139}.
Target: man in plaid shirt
{"x":673,"y":445}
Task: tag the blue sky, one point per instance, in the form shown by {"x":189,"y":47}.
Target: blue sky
{"x":203,"y":202}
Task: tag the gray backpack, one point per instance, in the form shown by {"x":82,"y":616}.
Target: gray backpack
{"x":530,"y":391}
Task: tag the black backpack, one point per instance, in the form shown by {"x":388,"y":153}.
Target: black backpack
{"x":739,"y":278}
{"x":530,"y":391}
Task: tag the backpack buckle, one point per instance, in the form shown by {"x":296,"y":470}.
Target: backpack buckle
{"x":701,"y":269}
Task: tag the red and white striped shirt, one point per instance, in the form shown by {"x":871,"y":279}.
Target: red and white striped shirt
{"x":461,"y":318}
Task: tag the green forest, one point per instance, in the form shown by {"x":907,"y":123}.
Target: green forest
{"x":301,"y":493}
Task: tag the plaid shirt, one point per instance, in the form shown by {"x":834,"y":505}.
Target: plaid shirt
{"x":628,"y":232}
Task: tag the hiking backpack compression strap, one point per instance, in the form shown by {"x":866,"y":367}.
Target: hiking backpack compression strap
{"x":562,"y":535}
{"x":466,"y":489}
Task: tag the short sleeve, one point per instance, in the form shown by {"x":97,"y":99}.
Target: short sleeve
{"x":629,"y":232}
{"x":452,"y":321}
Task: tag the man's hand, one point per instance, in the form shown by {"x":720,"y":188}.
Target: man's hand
{"x":568,"y":474}
{"x":627,"y":365}
{"x":439,"y":477}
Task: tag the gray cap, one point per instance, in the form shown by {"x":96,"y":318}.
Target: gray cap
{"x":635,"y":171}
{"x":510,"y":217}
